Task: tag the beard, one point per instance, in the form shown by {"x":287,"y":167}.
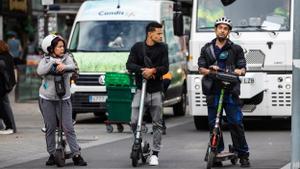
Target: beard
{"x":221,"y":38}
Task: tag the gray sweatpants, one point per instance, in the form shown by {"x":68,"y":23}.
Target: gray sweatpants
{"x":153,"y":102}
{"x":50,"y":112}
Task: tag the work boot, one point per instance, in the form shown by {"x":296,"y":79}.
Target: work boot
{"x":217,"y":164}
{"x":79,"y":161}
{"x":244,"y":161}
{"x":51,"y":160}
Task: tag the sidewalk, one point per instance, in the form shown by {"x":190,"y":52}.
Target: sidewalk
{"x":29,"y":142}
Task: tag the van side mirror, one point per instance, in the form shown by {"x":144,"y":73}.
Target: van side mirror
{"x":227,"y":2}
{"x":177,"y":20}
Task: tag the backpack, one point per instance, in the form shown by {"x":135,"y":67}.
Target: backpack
{"x":7,"y":83}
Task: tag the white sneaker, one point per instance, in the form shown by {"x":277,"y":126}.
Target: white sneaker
{"x":153,"y":161}
{"x":8,"y":131}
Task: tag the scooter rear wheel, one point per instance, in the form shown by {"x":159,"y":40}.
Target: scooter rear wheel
{"x":210,"y":159}
{"x":60,"y":158}
{"x":146,"y":152}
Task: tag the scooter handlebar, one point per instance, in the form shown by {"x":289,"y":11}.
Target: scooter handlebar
{"x":224,"y":76}
{"x":227,"y":77}
{"x":54,"y":72}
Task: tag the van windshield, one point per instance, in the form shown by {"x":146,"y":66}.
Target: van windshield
{"x":107,"y":36}
{"x":246,"y":15}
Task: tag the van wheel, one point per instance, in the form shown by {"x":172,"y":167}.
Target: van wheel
{"x":102,"y":116}
{"x":179,"y":109}
{"x":200,"y":122}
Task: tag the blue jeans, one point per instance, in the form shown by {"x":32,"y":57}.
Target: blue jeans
{"x":235,"y":121}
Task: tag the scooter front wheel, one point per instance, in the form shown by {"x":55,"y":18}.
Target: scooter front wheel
{"x":60,"y":158}
{"x":210,"y":159}
{"x":134,"y":158}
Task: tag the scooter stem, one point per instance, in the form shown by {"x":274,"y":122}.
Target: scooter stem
{"x":60,"y":135}
{"x":219,"y":110}
{"x":141,"y":109}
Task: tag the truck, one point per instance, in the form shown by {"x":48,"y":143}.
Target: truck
{"x":264,"y":29}
{"x":101,"y":38}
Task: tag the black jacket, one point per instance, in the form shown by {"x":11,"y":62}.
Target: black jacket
{"x":236,"y":59}
{"x":158,"y":55}
{"x":7,"y":74}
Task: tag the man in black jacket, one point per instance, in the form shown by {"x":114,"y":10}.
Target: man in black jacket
{"x":157,"y":52}
{"x":221,"y":53}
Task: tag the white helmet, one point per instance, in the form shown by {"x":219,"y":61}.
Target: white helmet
{"x":224,"y":20}
{"x":47,"y":41}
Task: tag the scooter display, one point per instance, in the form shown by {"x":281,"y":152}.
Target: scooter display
{"x":212,"y":155}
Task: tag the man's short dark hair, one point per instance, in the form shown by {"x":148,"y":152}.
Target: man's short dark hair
{"x":151,"y":26}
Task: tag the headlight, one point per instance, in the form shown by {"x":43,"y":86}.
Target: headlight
{"x":197,"y":87}
{"x":288,"y":86}
{"x":279,"y":79}
{"x":288,"y":79}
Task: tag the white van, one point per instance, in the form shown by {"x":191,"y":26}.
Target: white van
{"x":101,"y":38}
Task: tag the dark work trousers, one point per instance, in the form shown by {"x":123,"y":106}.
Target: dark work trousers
{"x":50,"y":112}
{"x":7,"y":114}
{"x":235,"y":121}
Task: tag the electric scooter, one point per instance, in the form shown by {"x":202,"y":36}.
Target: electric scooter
{"x":212,"y":154}
{"x":60,"y":154}
{"x":141,"y":149}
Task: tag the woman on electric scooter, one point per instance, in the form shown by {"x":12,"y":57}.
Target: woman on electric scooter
{"x":57,"y":60}
{"x":221,"y":53}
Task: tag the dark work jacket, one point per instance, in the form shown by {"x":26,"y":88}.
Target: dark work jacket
{"x":158,"y":55}
{"x":236,"y":59}
{"x":7,"y":74}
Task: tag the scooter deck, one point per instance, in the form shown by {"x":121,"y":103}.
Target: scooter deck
{"x":223,"y":156}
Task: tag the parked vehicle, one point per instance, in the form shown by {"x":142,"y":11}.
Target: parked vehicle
{"x":101,"y":38}
{"x":265,"y":31}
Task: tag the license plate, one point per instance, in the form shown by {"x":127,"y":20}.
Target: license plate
{"x":248,"y":80}
{"x":97,"y":99}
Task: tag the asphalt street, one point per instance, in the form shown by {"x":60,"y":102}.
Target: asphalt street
{"x":184,"y":148}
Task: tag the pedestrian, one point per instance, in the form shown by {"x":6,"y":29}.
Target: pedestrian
{"x":15,"y":47}
{"x":157,"y":52}
{"x":7,"y":82}
{"x":221,"y":53}
{"x":58,"y":60}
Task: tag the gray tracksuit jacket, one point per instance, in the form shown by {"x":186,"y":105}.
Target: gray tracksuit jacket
{"x":47,"y":89}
